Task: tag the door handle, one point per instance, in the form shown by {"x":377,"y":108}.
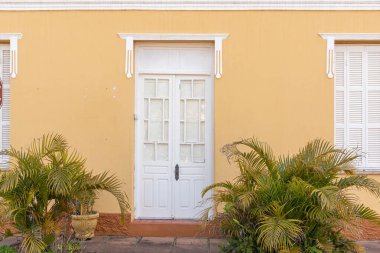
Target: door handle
{"x":176,"y":172}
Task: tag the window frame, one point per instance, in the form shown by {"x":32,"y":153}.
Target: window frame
{"x":4,"y":160}
{"x":363,"y":47}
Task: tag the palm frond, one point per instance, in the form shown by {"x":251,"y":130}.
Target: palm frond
{"x":225,"y":185}
{"x":32,"y":244}
{"x":366,"y":213}
{"x":111,"y":184}
{"x":278,"y":233}
{"x":48,"y":144}
{"x":260,"y":153}
{"x":360,"y":182}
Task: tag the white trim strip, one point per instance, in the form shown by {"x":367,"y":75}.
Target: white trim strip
{"x":351,"y":36}
{"x":172,"y":36}
{"x":130,"y":38}
{"x":332,"y":37}
{"x":25,"y":5}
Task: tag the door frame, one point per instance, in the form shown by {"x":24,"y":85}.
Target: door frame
{"x":209,"y":131}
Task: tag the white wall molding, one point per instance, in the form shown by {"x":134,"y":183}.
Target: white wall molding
{"x":13,"y":45}
{"x":330,"y":47}
{"x":130,"y":38}
{"x":23,"y":5}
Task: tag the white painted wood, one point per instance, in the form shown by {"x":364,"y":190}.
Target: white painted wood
{"x":357,"y":102}
{"x":5,"y":56}
{"x":154,"y":176}
{"x":129,"y":56}
{"x":9,"y":36}
{"x":194,"y":172}
{"x":372,"y":130}
{"x":13,"y":42}
{"x":174,"y":36}
{"x":175,"y":60}
{"x":332,"y":37}
{"x":340,"y":114}
{"x":351,"y":36}
{"x":217,"y":39}
{"x":22,"y":5}
{"x":155,"y":199}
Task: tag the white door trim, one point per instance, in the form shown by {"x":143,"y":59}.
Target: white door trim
{"x":209,"y":152}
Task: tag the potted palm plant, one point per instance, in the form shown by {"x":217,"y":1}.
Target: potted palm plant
{"x":84,"y":219}
{"x":37,"y":188}
{"x":86,"y":189}
{"x":42,"y":185}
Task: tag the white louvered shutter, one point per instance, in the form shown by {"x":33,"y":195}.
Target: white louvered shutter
{"x":355,"y":100}
{"x":5,"y":109}
{"x":340,"y":119}
{"x":349,"y":100}
{"x":373,"y":106}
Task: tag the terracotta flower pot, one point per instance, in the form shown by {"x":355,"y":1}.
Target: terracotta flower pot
{"x":84,"y":225}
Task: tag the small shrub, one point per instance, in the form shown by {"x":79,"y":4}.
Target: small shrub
{"x":7,"y":249}
{"x":298,"y":203}
{"x":73,"y":247}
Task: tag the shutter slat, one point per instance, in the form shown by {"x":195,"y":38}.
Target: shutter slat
{"x":355,"y":72}
{"x":6,"y":105}
{"x":373,"y":64}
{"x":339,"y":107}
{"x":339,"y":137}
{"x":355,"y":105}
{"x":355,"y":142}
{"x":6,"y":67}
{"x":373,"y":106}
{"x":339,"y":69}
{"x":373,"y":153}
{"x":5,"y":110}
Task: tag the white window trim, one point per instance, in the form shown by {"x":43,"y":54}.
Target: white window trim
{"x":330,"y":48}
{"x":131,"y":37}
{"x":22,"y":5}
{"x":13,"y":44}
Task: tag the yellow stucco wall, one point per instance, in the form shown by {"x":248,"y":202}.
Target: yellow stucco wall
{"x":71,"y":79}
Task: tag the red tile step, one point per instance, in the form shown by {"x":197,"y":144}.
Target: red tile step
{"x":167,"y":228}
{"x":110,"y":224}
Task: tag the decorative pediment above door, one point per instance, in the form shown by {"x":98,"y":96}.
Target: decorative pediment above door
{"x":130,"y":38}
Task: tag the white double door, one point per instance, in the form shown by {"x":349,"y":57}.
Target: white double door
{"x":174,"y":145}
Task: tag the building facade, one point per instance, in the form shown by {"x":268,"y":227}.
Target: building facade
{"x":151,"y":91}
